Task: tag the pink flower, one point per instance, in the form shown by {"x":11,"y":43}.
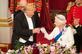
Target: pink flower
{"x":28,"y":49}
{"x":52,"y":48}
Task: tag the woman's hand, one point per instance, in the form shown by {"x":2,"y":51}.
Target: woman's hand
{"x":43,"y":30}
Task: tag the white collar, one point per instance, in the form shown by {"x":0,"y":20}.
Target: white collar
{"x":29,"y":20}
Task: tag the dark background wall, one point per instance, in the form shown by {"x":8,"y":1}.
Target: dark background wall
{"x":58,"y":4}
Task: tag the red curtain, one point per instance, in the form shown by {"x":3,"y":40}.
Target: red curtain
{"x":45,"y":22}
{"x":30,"y":1}
{"x":12,"y":5}
{"x":44,"y":17}
{"x":58,"y":4}
{"x":53,"y":4}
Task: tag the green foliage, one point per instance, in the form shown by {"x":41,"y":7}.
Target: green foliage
{"x":18,"y":45}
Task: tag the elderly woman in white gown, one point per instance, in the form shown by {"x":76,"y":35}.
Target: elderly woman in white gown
{"x":62,"y":33}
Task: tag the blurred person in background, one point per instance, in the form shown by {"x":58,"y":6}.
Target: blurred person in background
{"x":74,"y":19}
{"x":75,"y":12}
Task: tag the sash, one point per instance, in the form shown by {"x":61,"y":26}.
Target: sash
{"x":58,"y":36}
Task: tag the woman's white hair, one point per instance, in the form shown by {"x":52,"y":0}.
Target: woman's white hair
{"x":61,"y":18}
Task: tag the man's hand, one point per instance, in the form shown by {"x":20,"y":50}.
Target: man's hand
{"x":36,"y":30}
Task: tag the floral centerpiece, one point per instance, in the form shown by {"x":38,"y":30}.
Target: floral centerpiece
{"x":54,"y":48}
{"x":43,"y":48}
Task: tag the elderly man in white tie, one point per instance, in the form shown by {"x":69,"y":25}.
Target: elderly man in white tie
{"x":26,"y":25}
